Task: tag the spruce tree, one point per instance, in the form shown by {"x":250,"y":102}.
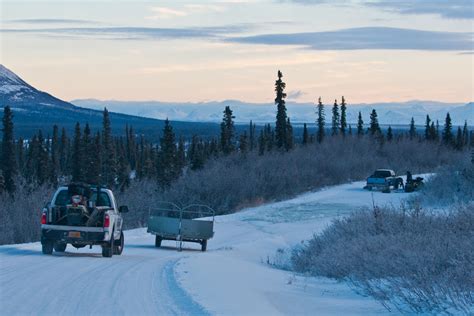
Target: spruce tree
{"x":8,"y":151}
{"x":168,"y":167}
{"x":108,"y":152}
{"x":261,"y":143}
{"x":459,"y":144}
{"x":243,"y":143}
{"x":227,"y":131}
{"x":412,"y":131}
{"x":336,"y":121}
{"x":448,"y":138}
{"x":63,"y":150}
{"x":343,"y":117}
{"x":360,"y":125}
{"x":433,"y":136}
{"x":389,"y":134}
{"x":20,"y":156}
{"x":305,"y":135}
{"x":54,"y":157}
{"x":465,"y":134}
{"x":252,"y":137}
{"x":181,"y":155}
{"x":196,"y":155}
{"x":123,"y":170}
{"x":428,"y":128}
{"x":281,"y":118}
{"x":374,"y":123}
{"x":77,"y":162}
{"x":289,"y":135}
{"x":42,"y":165}
{"x":321,"y":122}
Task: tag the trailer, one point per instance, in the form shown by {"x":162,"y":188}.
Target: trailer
{"x":193,"y":223}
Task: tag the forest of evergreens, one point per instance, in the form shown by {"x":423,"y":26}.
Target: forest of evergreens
{"x":227,"y":172}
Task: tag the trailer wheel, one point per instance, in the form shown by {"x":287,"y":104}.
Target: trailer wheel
{"x":108,"y":249}
{"x":60,"y":247}
{"x":158,"y":241}
{"x":118,"y":245}
{"x":47,"y":247}
{"x":386,"y":190}
{"x":204,"y":245}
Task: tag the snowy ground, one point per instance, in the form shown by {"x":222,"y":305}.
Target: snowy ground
{"x":231,"y":278}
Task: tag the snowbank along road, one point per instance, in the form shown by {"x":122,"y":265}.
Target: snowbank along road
{"x":231,"y":278}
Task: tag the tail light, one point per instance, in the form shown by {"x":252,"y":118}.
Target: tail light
{"x":43,"y":218}
{"x":106,"y":220}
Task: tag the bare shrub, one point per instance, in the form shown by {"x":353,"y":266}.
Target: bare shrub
{"x":412,"y":258}
{"x":20,"y":215}
{"x":229,"y":183}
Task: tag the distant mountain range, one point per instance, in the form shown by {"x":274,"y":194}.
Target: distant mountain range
{"x":394,"y":113}
{"x":34,"y":110}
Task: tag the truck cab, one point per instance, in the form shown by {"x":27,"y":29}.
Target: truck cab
{"x":82,"y":215}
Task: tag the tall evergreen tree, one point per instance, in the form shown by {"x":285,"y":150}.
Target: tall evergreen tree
{"x":389,"y":134}
{"x":412,"y":131}
{"x":168,"y":167}
{"x":227,"y":131}
{"x":465,"y":134}
{"x":54,"y":157}
{"x":63,"y":150}
{"x":2,"y":183}
{"x":8,"y":151}
{"x":281,"y":118}
{"x":108,"y":152}
{"x":77,"y":162}
{"x":343,"y":116}
{"x":196,"y":154}
{"x":433,"y":135}
{"x":42,"y":166}
{"x":20,"y":156}
{"x":321,"y":122}
{"x":336,"y":120}
{"x":243,"y":143}
{"x":448,"y":138}
{"x":459,"y":140}
{"x":374,"y":123}
{"x":305,"y":135}
{"x":428,"y":128}
{"x":261,"y":143}
{"x":289,"y":144}
{"x":360,"y":125}
{"x":252,"y":136}
{"x":181,"y":155}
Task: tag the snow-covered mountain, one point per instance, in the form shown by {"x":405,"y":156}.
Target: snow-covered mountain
{"x":34,"y":109}
{"x":389,"y":113}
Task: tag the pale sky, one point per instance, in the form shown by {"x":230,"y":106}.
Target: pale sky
{"x":366,"y":50}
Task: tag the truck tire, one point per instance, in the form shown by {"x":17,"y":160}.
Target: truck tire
{"x":369,"y":188}
{"x":108,"y":249}
{"x":60,"y":247}
{"x":158,"y":241}
{"x":204,"y":245}
{"x":47,"y":247}
{"x":118,"y":245}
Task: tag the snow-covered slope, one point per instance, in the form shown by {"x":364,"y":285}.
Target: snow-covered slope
{"x":388,"y":113}
{"x":231,"y":278}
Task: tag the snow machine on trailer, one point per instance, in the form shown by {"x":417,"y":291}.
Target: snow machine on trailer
{"x":193,"y":223}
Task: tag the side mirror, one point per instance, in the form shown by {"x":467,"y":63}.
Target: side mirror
{"x":123,"y":209}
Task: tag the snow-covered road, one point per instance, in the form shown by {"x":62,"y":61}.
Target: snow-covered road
{"x":232,"y":277}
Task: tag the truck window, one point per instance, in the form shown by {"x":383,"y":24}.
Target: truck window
{"x":103,"y":199}
{"x":64,"y":198}
{"x":382,"y":174}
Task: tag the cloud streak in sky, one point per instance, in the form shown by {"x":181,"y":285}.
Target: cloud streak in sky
{"x":451,"y":9}
{"x":368,"y":38}
{"x":51,"y":21}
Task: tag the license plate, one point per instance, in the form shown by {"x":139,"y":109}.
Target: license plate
{"x":74,"y":234}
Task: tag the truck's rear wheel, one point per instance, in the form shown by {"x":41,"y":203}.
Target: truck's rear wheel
{"x":60,"y":247}
{"x":47,"y":247}
{"x":204,"y":245}
{"x":108,"y":249}
{"x":158,"y":241}
{"x":118,"y":245}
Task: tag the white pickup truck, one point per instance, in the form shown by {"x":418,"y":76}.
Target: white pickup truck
{"x":384,"y":179}
{"x":82,"y":215}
